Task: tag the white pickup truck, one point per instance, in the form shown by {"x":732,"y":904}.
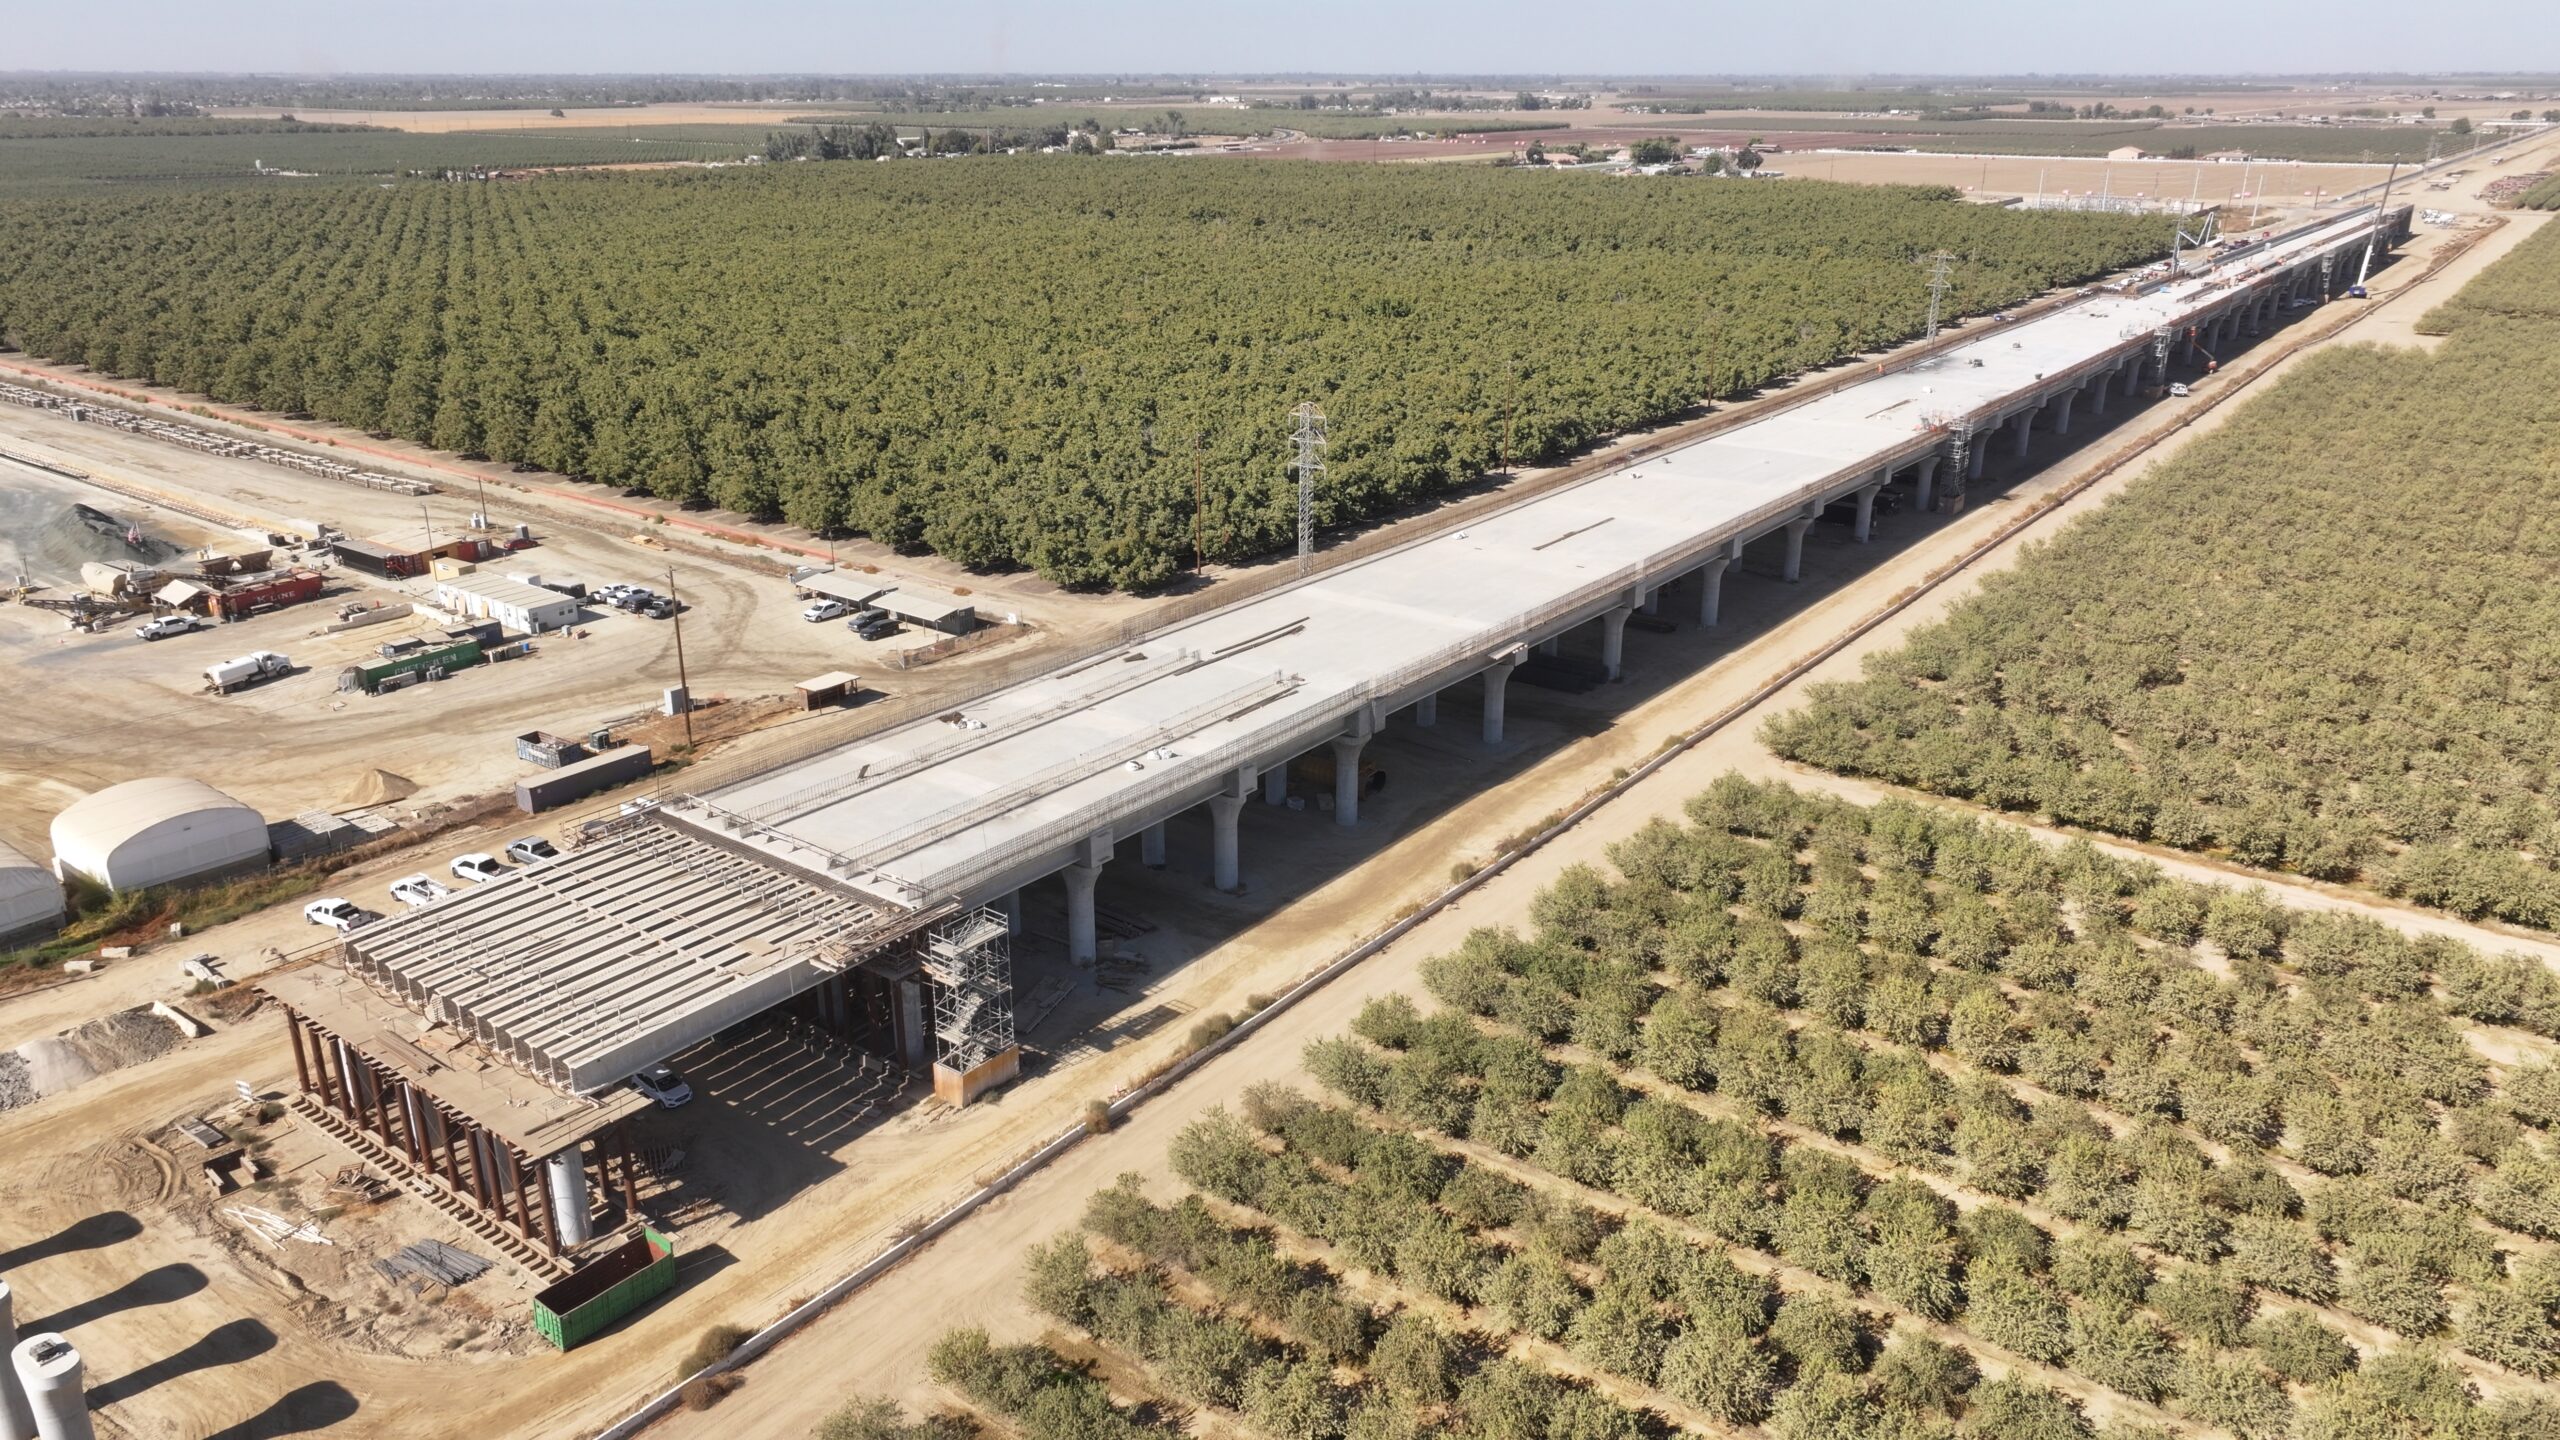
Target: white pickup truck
{"x":339,"y":915}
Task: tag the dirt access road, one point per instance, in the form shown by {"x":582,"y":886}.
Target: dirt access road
{"x":971,"y":1275}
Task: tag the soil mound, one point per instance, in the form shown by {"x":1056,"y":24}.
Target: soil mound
{"x":380,"y":787}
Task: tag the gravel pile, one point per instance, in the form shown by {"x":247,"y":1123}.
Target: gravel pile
{"x":83,"y":1053}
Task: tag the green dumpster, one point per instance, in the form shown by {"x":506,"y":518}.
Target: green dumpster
{"x":611,"y":1286}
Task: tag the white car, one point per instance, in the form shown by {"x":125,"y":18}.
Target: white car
{"x":419,"y":891}
{"x":662,"y":1084}
{"x":824,"y":610}
{"x":164,"y":627}
{"x":478,"y":868}
{"x":339,"y":915}
{"x":2180,"y":391}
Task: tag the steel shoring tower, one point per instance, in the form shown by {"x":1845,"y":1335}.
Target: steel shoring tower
{"x":1310,"y":438}
{"x":970,"y":958}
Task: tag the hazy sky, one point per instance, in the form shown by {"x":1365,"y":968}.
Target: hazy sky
{"x":1508,"y":36}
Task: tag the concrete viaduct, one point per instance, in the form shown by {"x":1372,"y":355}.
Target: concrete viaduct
{"x":1049,"y":777}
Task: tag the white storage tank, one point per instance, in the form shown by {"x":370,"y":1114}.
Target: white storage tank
{"x":155,"y":832}
{"x":30,"y":898}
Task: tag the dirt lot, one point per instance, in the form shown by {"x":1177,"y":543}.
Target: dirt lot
{"x":791,"y":1175}
{"x":970,"y":1277}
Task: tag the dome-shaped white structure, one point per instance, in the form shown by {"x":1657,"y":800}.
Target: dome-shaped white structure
{"x":154,"y":832}
{"x":30,"y":898}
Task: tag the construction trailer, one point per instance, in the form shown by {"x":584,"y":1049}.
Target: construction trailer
{"x":401,"y":557}
{"x":525,"y":609}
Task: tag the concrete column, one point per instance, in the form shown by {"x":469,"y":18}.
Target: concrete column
{"x":1082,"y":947}
{"x":1346,"y":778}
{"x":2098,"y":388}
{"x":1794,"y":568}
{"x":1151,"y":846}
{"x":2026,"y":427}
{"x":48,"y":1369}
{"x":1225,"y":865}
{"x":1925,"y":486}
{"x":2132,"y":376}
{"x":1866,"y":512}
{"x":1426,"y":711}
{"x":911,"y":1036}
{"x":1652,"y":601}
{"x":1497,"y":678}
{"x":1613,"y":641}
{"x":1275,"y":784}
{"x":2062,"y":415}
{"x":1981,"y":451}
{"x":16,"y":1421}
{"x":1711,"y":591}
{"x":569,"y":1196}
{"x":1010,"y":902}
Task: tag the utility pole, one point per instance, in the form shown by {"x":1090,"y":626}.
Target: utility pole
{"x":1310,"y":438}
{"x":482,"y":486}
{"x":681,"y":679}
{"x":1937,"y":290}
{"x":2380,"y":211}
{"x":423,"y":519}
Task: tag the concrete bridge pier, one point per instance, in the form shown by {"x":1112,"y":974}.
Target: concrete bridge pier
{"x":1924,"y":482}
{"x":1793,"y":570}
{"x":1864,"y":529}
{"x":1226,"y":869}
{"x":1151,"y":846}
{"x":2062,"y":410}
{"x":1092,"y":853}
{"x":1426,"y":711}
{"x":1613,"y":640}
{"x":1497,"y":679}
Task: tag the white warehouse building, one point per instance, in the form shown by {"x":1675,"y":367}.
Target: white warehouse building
{"x":156,"y":832}
{"x":525,"y":609}
{"x":30,"y":898}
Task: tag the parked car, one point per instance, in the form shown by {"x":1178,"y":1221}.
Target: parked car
{"x":532,"y":849}
{"x":822,"y":610}
{"x":873,"y":624}
{"x":419,"y":891}
{"x":340,"y":915}
{"x":2180,"y":390}
{"x":478,"y":868}
{"x":165,"y":626}
{"x":662,"y":1084}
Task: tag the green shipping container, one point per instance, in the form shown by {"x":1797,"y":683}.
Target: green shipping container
{"x":447,"y":658}
{"x":634,"y":1273}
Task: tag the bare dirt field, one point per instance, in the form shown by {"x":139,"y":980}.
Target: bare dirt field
{"x":2278,"y":186}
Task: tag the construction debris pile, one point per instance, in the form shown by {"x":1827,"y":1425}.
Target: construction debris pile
{"x":212,"y":443}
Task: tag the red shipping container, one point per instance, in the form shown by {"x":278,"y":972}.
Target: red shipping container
{"x":267,"y":592}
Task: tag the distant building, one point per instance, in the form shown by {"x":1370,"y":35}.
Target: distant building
{"x":2126,"y":152}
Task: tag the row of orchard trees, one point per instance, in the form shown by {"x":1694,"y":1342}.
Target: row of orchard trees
{"x":2323,"y":639}
{"x":1011,"y":362}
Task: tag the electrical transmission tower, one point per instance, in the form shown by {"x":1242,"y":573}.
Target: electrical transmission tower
{"x":1310,"y":437}
{"x":1937,"y":290}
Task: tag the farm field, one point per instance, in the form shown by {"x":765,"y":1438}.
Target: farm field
{"x":34,"y":162}
{"x":1008,"y":362}
{"x":2265,"y":650}
{"x":1850,"y":1121}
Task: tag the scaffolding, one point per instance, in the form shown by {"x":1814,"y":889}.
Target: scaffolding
{"x":970,"y":960}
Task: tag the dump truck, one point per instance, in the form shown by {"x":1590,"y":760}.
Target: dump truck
{"x":245,"y":671}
